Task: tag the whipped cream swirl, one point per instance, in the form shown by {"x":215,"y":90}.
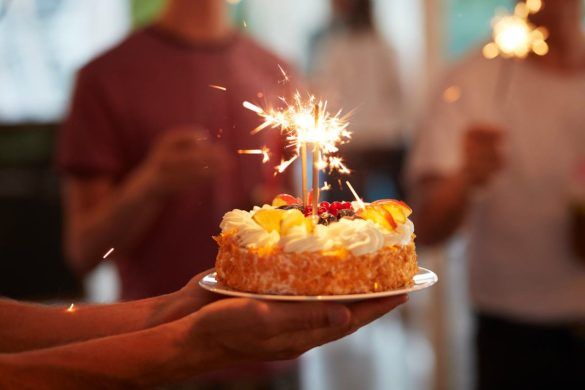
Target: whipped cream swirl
{"x":358,"y":236}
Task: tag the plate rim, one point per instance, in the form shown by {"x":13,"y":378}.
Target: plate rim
{"x":204,"y":283}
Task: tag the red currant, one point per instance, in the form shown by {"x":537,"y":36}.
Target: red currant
{"x":324,"y":204}
{"x":346,"y":205}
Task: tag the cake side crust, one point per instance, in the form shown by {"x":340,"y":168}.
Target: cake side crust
{"x":313,"y":273}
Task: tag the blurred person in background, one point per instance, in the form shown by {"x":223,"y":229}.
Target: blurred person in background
{"x":501,"y":164}
{"x":355,"y":69}
{"x":148,"y":151}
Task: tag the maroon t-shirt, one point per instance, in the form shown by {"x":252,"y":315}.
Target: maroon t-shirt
{"x":153,"y":82}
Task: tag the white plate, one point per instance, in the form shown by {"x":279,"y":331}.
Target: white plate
{"x":423,"y":279}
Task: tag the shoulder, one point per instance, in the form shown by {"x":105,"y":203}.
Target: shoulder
{"x":261,"y":55}
{"x":127,"y":53}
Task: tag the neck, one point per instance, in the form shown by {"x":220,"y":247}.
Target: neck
{"x":199,"y":21}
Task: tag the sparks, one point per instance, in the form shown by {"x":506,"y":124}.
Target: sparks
{"x":71,"y":308}
{"x":326,"y":186}
{"x":218,"y":87}
{"x":245,"y":24}
{"x":265,"y":152}
{"x":286,"y":78}
{"x":108,"y":253}
{"x":356,"y":196}
{"x":513,"y":36}
{"x":284,"y":164}
{"x":299,"y":125}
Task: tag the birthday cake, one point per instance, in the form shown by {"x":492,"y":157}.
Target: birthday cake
{"x":342,"y":248}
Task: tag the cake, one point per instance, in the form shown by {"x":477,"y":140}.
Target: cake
{"x":346,"y":248}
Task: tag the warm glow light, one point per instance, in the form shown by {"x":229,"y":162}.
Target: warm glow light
{"x":284,"y":164}
{"x":326,"y":186}
{"x":265,"y":152}
{"x":513,"y":36}
{"x":534,"y":5}
{"x":452,"y":94}
{"x":71,"y":308}
{"x":299,"y":124}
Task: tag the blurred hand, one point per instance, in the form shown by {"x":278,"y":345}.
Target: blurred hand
{"x":181,"y":303}
{"x":482,"y":153}
{"x":184,"y":157}
{"x":237,"y":330}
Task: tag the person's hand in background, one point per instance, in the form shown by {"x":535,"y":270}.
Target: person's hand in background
{"x":482,"y":154}
{"x":182,"y":158}
{"x":440,"y":201}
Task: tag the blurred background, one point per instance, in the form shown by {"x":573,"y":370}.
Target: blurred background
{"x":43,"y":43}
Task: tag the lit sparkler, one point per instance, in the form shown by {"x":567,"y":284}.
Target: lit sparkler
{"x":514,"y":36}
{"x":304,"y":123}
{"x":71,"y":308}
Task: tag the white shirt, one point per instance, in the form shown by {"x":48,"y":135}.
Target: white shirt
{"x":521,"y":264}
{"x":356,"y":71}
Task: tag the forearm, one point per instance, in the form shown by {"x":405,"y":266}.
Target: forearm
{"x":27,"y":326}
{"x":117,"y":221}
{"x":141,"y":359}
{"x":440,"y":207}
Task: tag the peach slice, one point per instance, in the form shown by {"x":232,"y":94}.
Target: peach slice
{"x":284,"y":200}
{"x":399,"y":210}
{"x":290,"y":219}
{"x":378,"y":215}
{"x":269,"y":219}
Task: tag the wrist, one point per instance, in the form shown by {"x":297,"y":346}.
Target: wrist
{"x":198,"y":349}
{"x":145,"y":181}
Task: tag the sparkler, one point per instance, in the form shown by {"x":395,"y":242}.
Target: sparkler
{"x":306,"y":122}
{"x":71,"y":308}
{"x":514,"y":36}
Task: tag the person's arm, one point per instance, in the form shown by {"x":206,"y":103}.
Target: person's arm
{"x":25,"y":327}
{"x":101,"y":214}
{"x":442,"y":202}
{"x":219,"y":335}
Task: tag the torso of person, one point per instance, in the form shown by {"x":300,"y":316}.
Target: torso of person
{"x":151,"y":83}
{"x":521,"y":261}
